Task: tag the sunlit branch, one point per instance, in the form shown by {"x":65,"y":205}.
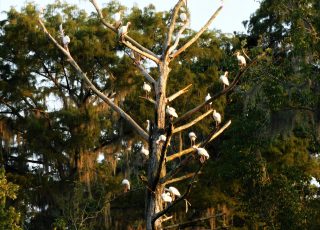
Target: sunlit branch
{"x":176,"y":43}
{"x":151,"y":57}
{"x":113,"y":106}
{"x":221,"y":93}
{"x":148,"y":99}
{"x":172,"y":25}
{"x":140,"y":49}
{"x":177,"y":94}
{"x":214,"y":134}
{"x":179,"y":178}
{"x":200,"y":32}
{"x":174,"y":203}
{"x":183,"y":127}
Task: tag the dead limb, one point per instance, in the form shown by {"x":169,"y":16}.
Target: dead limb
{"x":183,"y":127}
{"x":148,"y":99}
{"x":113,"y":106}
{"x":223,"y":92}
{"x":174,"y":203}
{"x":171,"y":28}
{"x":140,"y":49}
{"x":177,"y":94}
{"x":214,"y":134}
{"x":174,"y":180}
{"x":200,"y":32}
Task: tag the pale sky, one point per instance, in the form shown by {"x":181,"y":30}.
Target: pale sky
{"x":229,"y":20}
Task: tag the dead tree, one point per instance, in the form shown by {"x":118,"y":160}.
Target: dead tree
{"x":157,"y":176}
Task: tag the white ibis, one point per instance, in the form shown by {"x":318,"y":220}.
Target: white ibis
{"x":144,"y":151}
{"x":126,"y":185}
{"x":216,"y":117}
{"x":162,"y":138}
{"x":171,"y":112}
{"x":193,"y":138}
{"x":166,"y":197}
{"x":148,"y":125}
{"x":183,"y":17}
{"x":123,"y":30}
{"x":207,"y":98}
{"x":174,"y":192}
{"x":241,"y":60}
{"x":224,"y":79}
{"x":117,"y":19}
{"x":204,"y":155}
{"x":66,"y":40}
{"x":147,"y":88}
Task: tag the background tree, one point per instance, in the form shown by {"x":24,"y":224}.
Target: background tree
{"x":259,"y":171}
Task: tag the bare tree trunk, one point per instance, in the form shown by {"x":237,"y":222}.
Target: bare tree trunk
{"x":154,"y":202}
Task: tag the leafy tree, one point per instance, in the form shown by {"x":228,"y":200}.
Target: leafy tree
{"x":9,"y":217}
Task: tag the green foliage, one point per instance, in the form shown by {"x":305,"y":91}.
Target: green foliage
{"x":260,"y":167}
{"x":9,"y":217}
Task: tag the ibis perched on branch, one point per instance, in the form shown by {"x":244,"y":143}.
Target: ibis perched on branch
{"x":204,"y":155}
{"x":147,"y":88}
{"x":241,"y":60}
{"x":193,"y":138}
{"x":123,"y":30}
{"x":171,"y":112}
{"x":126,"y":185}
{"x":207,"y":98}
{"x":216,"y":117}
{"x":224,"y":79}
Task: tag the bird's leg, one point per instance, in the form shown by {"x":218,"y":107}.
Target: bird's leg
{"x":202,"y":159}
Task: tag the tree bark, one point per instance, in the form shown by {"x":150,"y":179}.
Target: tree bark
{"x":154,"y":202}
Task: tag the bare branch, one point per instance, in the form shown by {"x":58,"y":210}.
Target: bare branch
{"x":145,"y":54}
{"x":183,"y":127}
{"x":174,"y":171}
{"x":148,"y":77}
{"x":141,"y":49}
{"x":174,"y":203}
{"x":214,"y":134}
{"x":116,"y":108}
{"x":146,"y":74}
{"x":179,"y":178}
{"x":176,"y":43}
{"x":177,"y":94}
{"x":148,"y":99}
{"x":172,"y":25}
{"x":200,"y":32}
{"x":189,"y":223}
{"x":223,"y":92}
{"x":182,"y":153}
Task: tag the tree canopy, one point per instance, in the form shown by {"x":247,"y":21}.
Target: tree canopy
{"x":53,"y":127}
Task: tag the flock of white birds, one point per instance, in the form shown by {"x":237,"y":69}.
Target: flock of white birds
{"x":170,"y":193}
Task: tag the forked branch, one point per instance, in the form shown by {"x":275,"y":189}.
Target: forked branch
{"x":200,"y":32}
{"x":172,"y":25}
{"x":140,"y":49}
{"x":214,"y":134}
{"x":174,"y":203}
{"x":223,"y":92}
{"x":113,"y":106}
